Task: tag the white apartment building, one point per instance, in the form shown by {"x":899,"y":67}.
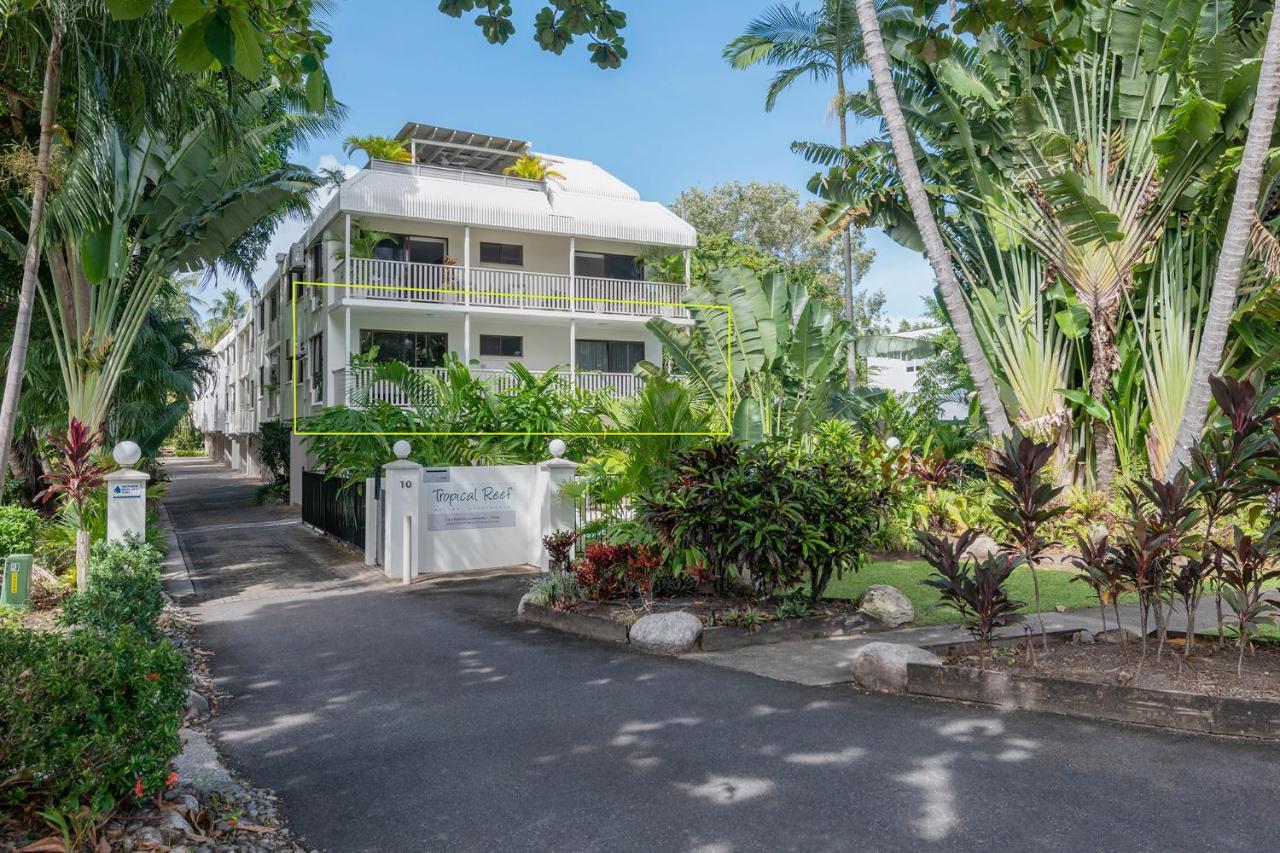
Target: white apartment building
{"x":901,"y":374}
{"x":446,"y":254}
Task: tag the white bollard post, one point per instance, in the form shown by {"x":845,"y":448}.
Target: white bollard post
{"x":126,"y":494}
{"x":558,"y":513}
{"x":401,"y":485}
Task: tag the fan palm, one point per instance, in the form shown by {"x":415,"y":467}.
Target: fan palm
{"x":377,"y":148}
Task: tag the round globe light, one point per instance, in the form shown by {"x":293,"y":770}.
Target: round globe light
{"x":557,"y":448}
{"x":892,"y":442}
{"x":401,"y":449}
{"x":127,"y":454}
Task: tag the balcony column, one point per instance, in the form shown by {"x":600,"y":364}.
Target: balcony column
{"x":573,"y":273}
{"x":466,"y":270}
{"x":346,"y":254}
{"x":346,"y":367}
{"x":688,"y":268}
{"x":466,"y":339}
{"x":573,"y":352}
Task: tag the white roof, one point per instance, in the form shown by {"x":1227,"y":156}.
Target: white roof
{"x":586,"y":202}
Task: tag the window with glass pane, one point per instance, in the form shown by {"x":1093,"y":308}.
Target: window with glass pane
{"x":596,"y":265}
{"x":501,"y":253}
{"x":426,"y":250}
{"x":416,"y":349}
{"x":609,"y":356}
{"x":505,"y":346}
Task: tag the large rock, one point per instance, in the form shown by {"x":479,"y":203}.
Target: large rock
{"x":525,"y":601}
{"x":883,"y":666}
{"x":666,"y":633}
{"x":887,"y":604}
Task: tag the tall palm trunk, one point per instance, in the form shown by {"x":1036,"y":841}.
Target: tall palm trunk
{"x":847,"y":238}
{"x":1106,"y":361}
{"x":1235,"y":243}
{"x":939,"y":257}
{"x":31,"y":262}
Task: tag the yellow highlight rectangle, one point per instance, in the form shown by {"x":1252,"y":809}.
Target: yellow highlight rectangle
{"x":293,"y":310}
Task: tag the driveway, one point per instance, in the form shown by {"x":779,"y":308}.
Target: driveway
{"x":427,"y":718}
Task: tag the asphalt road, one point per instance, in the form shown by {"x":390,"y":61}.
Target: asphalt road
{"x":429,"y":719}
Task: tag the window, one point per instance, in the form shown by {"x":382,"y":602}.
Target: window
{"x":507,"y":346}
{"x":502,"y":253}
{"x":315,"y":355}
{"x":274,"y":306}
{"x":425,"y":250}
{"x":416,"y":349}
{"x":262,"y":323}
{"x":594,"y":265}
{"x":609,"y":356}
{"x":387,"y":250}
{"x":318,"y":272}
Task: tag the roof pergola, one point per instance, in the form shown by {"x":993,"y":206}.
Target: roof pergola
{"x":460,"y":149}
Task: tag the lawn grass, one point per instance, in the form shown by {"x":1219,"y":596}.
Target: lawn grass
{"x":1056,"y":588}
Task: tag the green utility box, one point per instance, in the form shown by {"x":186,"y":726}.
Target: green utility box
{"x":17,"y":581}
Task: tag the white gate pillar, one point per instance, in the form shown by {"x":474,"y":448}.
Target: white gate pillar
{"x":401,"y":484}
{"x":558,"y":511}
{"x":126,"y":494}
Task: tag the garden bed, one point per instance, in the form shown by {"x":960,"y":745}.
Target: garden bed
{"x":1099,"y":681}
{"x":611,"y":620}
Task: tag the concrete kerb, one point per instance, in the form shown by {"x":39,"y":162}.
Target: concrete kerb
{"x":175,"y":566}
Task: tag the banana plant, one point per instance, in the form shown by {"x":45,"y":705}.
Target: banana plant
{"x":767,"y":359}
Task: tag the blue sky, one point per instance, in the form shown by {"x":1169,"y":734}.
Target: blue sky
{"x":674,"y":116}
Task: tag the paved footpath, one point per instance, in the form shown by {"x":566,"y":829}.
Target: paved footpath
{"x":427,"y":718}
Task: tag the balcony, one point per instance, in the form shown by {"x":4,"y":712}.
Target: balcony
{"x":439,"y":284}
{"x":358,"y":383}
{"x":242,"y":422}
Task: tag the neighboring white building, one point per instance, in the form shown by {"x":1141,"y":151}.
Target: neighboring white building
{"x":491,"y":268}
{"x":901,"y":375}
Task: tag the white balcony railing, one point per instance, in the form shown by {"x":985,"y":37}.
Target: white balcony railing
{"x":359,"y":385}
{"x":242,"y":422}
{"x":403,"y":281}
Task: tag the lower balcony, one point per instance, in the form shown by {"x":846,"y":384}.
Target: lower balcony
{"x":242,"y":422}
{"x":404,"y":281}
{"x":360,"y":386}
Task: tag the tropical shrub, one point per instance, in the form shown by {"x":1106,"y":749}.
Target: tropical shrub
{"x":973,"y":588}
{"x":559,"y":547}
{"x":17,"y":530}
{"x":777,"y":515}
{"x":123,"y":589}
{"x":89,"y":717}
{"x":560,"y":590}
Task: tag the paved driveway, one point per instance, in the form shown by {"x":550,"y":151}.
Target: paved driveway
{"x":429,"y":719}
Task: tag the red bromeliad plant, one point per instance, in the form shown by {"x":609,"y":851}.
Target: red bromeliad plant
{"x":74,"y":479}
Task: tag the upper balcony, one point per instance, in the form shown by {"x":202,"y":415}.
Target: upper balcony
{"x":446,"y":284}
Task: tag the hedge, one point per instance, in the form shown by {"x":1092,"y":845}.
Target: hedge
{"x":17,"y":530}
{"x":123,"y":588}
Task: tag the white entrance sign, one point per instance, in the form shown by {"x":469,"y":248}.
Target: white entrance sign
{"x":126,"y":494}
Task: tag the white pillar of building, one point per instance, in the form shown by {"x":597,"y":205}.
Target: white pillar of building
{"x":401,"y":485}
{"x":573,"y":351}
{"x":558,"y":512}
{"x":573,"y":273}
{"x":466,"y":266}
{"x":126,"y":494}
{"x":346,"y":252}
{"x":466,"y":338}
{"x":688,"y":268}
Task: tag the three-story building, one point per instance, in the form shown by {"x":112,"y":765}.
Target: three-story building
{"x":448,"y":254}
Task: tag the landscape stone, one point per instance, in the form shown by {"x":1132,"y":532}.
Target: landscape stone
{"x":525,"y":600}
{"x":1112,"y":635}
{"x":666,"y":633}
{"x":888,"y":605}
{"x":883,"y":666}
{"x":197,"y":705}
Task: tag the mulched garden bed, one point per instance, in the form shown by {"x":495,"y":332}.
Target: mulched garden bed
{"x":710,"y":609}
{"x":1211,"y":671}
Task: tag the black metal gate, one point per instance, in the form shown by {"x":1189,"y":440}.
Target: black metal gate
{"x":334,"y":506}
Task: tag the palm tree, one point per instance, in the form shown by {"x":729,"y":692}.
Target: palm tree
{"x":223,"y":314}
{"x":821,"y":45}
{"x":531,"y":167}
{"x":377,"y":148}
{"x":1235,"y":244}
{"x":939,"y":258}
